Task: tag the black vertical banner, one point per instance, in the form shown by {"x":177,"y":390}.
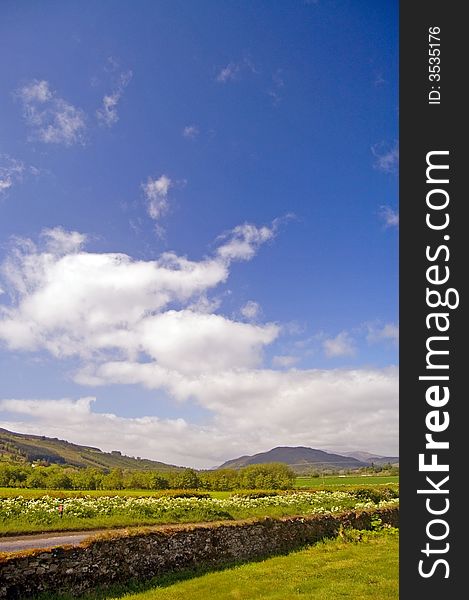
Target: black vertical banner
{"x":433,"y":257}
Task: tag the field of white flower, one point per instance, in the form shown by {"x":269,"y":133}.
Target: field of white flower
{"x":70,"y":513}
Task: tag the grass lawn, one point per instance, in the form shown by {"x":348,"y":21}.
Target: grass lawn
{"x":334,"y":482}
{"x":327,"y":571}
{"x":365,"y":570}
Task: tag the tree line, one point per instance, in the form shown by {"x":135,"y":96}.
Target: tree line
{"x":54,"y":477}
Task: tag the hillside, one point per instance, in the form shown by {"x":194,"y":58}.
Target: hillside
{"x":20,"y":447}
{"x":375,"y":459}
{"x":300,"y":459}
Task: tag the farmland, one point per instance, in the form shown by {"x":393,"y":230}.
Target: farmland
{"x":334,"y":481}
{"x":19,"y":514}
{"x":324,"y":571}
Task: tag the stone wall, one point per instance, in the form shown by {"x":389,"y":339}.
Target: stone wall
{"x":120,"y":557}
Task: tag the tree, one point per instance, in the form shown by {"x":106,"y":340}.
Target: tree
{"x":185,"y":480}
{"x":113,"y":480}
{"x":37,"y":479}
{"x":59,"y":480}
{"x":267,"y":476}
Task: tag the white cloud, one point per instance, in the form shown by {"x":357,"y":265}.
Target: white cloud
{"x":252,"y":410}
{"x":36,"y":91}
{"x":284,"y":361}
{"x":228,"y":73}
{"x":69,"y":411}
{"x":107,"y":114}
{"x":150,"y":323}
{"x":190,"y":131}
{"x":389,"y":216}
{"x":379,"y":80}
{"x":203,"y":304}
{"x":233,"y":70}
{"x":386,"y":157}
{"x":341,"y":345}
{"x":251,"y":310}
{"x":169,"y":440}
{"x":73,"y":302}
{"x":388,"y":331}
{"x":59,"y":241}
{"x":52,"y":119}
{"x":5,"y":184}
{"x":188,"y":342}
{"x":156,"y":195}
{"x":243,"y":241}
{"x":11,"y":171}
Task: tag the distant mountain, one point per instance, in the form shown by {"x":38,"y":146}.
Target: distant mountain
{"x":300,"y":459}
{"x":21,"y":447}
{"x":376,"y":459}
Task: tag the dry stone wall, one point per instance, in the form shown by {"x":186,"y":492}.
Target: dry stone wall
{"x":142,"y":555}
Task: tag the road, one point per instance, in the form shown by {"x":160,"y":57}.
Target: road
{"x":50,"y":540}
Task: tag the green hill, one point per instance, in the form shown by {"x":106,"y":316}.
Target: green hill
{"x":300,"y":459}
{"x":21,"y":447}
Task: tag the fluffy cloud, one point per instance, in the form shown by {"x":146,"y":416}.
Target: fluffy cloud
{"x":189,"y":342}
{"x":389,"y":216}
{"x":386,"y":157}
{"x":284,"y":360}
{"x":36,"y":91}
{"x":151,"y":324}
{"x":59,"y":241}
{"x":190,"y":131}
{"x":169,"y":439}
{"x":251,"y":310}
{"x":341,"y":345}
{"x":156,"y":195}
{"x":388,"y":331}
{"x":232,"y":71}
{"x":107,"y":114}
{"x":52,"y":119}
{"x":243,"y":241}
{"x":11,"y":171}
{"x":73,"y":302}
{"x":228,"y":73}
{"x":252,"y":410}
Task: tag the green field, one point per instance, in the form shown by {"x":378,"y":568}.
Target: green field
{"x":336,"y":482}
{"x":364,"y":570}
{"x":328,"y":482}
{"x":6,"y":492}
{"x":27,"y":515}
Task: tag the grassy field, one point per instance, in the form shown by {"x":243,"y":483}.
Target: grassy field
{"x":327,"y":482}
{"x":335,"y":482}
{"x":364,"y":570}
{"x":19,"y":515}
{"x":38,"y":493}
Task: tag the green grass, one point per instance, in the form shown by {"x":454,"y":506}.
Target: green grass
{"x":332,"y":481}
{"x":364,"y":570}
{"x":328,"y":482}
{"x":38,"y":493}
{"x":31,"y":516}
{"x":22,"y":512}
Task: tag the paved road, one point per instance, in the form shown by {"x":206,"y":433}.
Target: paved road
{"x":25,"y":542}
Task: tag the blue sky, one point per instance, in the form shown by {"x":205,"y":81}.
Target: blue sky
{"x":199,"y":225}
